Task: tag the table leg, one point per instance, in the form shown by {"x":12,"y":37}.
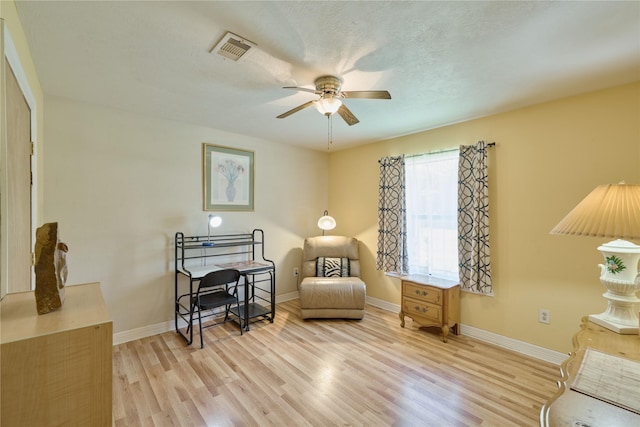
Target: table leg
{"x":445,"y":332}
{"x":246,"y":302}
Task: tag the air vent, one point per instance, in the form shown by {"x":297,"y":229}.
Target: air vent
{"x":233,"y":47}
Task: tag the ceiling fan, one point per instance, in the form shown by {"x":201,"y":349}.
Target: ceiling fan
{"x":330,"y":101}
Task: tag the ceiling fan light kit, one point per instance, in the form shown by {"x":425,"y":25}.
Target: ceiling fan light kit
{"x":330,"y":101}
{"x":327,"y":106}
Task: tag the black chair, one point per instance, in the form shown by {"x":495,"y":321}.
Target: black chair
{"x":216,"y":289}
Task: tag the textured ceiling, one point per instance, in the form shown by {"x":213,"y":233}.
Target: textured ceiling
{"x":442,"y":62}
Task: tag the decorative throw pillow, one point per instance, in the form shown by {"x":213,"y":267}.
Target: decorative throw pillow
{"x":333,"y":267}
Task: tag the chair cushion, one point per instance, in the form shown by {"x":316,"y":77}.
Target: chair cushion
{"x":333,"y":267}
{"x":329,"y":247}
{"x":215,"y":299}
{"x":332,"y":292}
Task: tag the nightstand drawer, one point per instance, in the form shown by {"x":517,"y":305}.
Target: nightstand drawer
{"x":420,"y":308}
{"x":422,"y":292}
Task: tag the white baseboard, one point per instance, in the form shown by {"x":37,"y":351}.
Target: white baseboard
{"x":160,"y":328}
{"x":525,"y":348}
{"x":482,"y":335}
{"x":148,"y":331}
{"x":385,"y":305}
{"x":145,"y":331}
{"x":287,"y":297}
{"x":470,"y":331}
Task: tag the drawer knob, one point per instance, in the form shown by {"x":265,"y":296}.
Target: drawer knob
{"x":418,"y":309}
{"x":424,"y":293}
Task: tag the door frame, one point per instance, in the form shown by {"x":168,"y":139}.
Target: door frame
{"x":8,"y":50}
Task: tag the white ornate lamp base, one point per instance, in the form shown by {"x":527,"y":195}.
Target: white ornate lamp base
{"x":620,"y":276}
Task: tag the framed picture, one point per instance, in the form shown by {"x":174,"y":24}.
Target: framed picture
{"x":227,"y":175}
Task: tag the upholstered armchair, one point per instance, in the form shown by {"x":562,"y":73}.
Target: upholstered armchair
{"x":331,"y":286}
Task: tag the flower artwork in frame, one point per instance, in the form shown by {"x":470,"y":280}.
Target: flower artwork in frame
{"x":227,"y":178}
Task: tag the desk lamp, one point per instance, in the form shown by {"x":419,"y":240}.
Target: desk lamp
{"x":214,"y":221}
{"x":612,"y":211}
{"x":326,"y":222}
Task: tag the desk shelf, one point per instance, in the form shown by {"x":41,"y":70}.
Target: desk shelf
{"x":196,"y":256}
{"x":254,"y":310}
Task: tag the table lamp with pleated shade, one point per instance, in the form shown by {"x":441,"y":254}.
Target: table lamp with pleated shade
{"x":612,"y":211}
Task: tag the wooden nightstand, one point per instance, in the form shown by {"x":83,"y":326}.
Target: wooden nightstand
{"x":431,"y":302}
{"x":571,"y":408}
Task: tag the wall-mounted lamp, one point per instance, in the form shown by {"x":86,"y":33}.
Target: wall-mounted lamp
{"x":612,"y":211}
{"x":326,"y":222}
{"x":214,"y":221}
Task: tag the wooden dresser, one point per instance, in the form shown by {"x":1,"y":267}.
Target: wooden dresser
{"x":56,"y":368}
{"x":571,"y":408}
{"x":431,"y":302}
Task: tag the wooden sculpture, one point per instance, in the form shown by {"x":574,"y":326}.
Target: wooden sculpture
{"x":50,"y":268}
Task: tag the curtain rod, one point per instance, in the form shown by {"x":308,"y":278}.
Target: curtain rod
{"x":491,"y":144}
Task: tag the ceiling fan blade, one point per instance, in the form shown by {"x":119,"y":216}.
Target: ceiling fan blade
{"x":295,"y":110}
{"x":368,"y":94}
{"x":347,"y":115}
{"x":303,"y":89}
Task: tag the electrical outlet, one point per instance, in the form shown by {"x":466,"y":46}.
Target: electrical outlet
{"x":544,"y":316}
{"x":295,"y":272}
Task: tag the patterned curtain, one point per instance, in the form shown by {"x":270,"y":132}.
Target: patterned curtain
{"x":392,"y":227}
{"x":473,"y":220}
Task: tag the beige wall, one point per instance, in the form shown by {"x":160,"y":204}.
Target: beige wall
{"x":546,"y":159}
{"x":121,"y":185}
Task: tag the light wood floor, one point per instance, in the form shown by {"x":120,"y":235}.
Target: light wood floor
{"x":326,"y":373}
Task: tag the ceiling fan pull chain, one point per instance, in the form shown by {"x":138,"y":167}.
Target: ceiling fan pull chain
{"x":329,"y":131}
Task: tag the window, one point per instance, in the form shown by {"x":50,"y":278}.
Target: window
{"x":431,"y":182}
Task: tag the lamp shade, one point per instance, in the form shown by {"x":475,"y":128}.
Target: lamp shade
{"x":328,"y":105}
{"x":214,"y":220}
{"x":611,"y":210}
{"x":326,"y":222}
